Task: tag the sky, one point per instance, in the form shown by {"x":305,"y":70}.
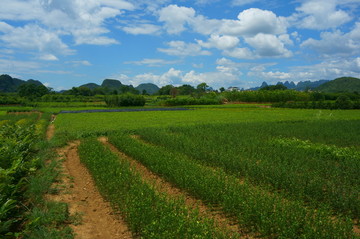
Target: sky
{"x":66,"y":43}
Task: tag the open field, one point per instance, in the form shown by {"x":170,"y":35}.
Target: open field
{"x":222,"y":172}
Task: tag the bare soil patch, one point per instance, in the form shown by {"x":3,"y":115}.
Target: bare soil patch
{"x":163,"y":186}
{"x":51,"y":129}
{"x":77,"y":189}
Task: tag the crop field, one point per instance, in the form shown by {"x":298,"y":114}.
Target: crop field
{"x":274,"y":173}
{"x":216,"y":172}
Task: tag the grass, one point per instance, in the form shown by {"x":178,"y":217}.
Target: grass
{"x":83,"y":124}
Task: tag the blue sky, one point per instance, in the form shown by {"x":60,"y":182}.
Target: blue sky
{"x":66,"y":43}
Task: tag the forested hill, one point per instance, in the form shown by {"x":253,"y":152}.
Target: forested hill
{"x":148,"y":88}
{"x":343,"y":84}
{"x":10,"y":84}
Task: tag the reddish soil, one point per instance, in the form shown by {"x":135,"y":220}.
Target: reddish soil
{"x":96,"y":219}
{"x":166,"y":187}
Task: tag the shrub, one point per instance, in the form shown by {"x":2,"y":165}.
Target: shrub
{"x":127,"y":99}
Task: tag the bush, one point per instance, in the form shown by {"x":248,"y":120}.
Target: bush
{"x":127,"y":99}
{"x":191,"y":101}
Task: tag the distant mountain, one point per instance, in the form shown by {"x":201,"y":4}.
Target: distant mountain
{"x":10,"y":84}
{"x":311,"y":85}
{"x":343,"y":84}
{"x":149,"y":87}
{"x":300,"y":86}
{"x":112,"y":84}
{"x":91,"y":86}
{"x":264,"y":84}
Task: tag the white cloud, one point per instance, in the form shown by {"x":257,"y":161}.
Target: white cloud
{"x":33,"y":37}
{"x":152,"y":62}
{"x":269,"y":45}
{"x":320,"y":14}
{"x":254,"y":21}
{"x":48,"y":57}
{"x":180,"y":48}
{"x":220,"y":42}
{"x":142,"y":29}
{"x":336,"y":43}
{"x":175,"y":18}
{"x":79,"y":63}
{"x":169,"y":77}
{"x":240,"y":53}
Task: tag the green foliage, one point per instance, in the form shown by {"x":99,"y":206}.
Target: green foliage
{"x":17,"y":162}
{"x":149,"y":214}
{"x":125,"y":100}
{"x":316,"y":173}
{"x":266,"y":96}
{"x":274,"y":87}
{"x":343,"y":102}
{"x":32,"y":91}
{"x":254,"y":208}
{"x":165,"y":90}
{"x":343,"y":84}
{"x":191,"y":101}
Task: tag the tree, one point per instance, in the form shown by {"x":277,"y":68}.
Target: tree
{"x":202,"y":87}
{"x":274,"y":87}
{"x":343,"y":102}
{"x":32,"y":91}
{"x":222,"y":89}
{"x":165,"y":90}
{"x":186,"y":90}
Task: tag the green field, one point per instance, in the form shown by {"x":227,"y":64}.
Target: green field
{"x":299,"y":168}
{"x":276,"y":173}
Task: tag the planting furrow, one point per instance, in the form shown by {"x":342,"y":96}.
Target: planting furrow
{"x":94,"y":216}
{"x":165,"y":187}
{"x":318,"y":174}
{"x":149,"y":213}
{"x":259,"y":211}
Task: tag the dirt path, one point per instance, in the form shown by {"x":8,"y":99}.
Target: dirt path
{"x":51,"y":128}
{"x":95,"y":218}
{"x":164,"y":186}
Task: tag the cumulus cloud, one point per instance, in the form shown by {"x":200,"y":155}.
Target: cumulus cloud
{"x":254,"y":21}
{"x":49,"y":20}
{"x":267,"y":45}
{"x":220,"y":42}
{"x":180,"y":48}
{"x":175,"y":18}
{"x":152,"y":62}
{"x":336,"y":43}
{"x":169,"y":77}
{"x":34,"y":38}
{"x":142,"y":29}
{"x":320,"y":15}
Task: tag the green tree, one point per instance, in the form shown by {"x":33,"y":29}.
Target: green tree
{"x":274,"y":87}
{"x":343,"y":102}
{"x":186,"y":90}
{"x":165,"y":90}
{"x":32,"y":91}
{"x":201,"y":88}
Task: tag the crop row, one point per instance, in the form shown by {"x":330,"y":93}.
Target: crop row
{"x":148,"y":213}
{"x":254,"y":153}
{"x":258,"y":210}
